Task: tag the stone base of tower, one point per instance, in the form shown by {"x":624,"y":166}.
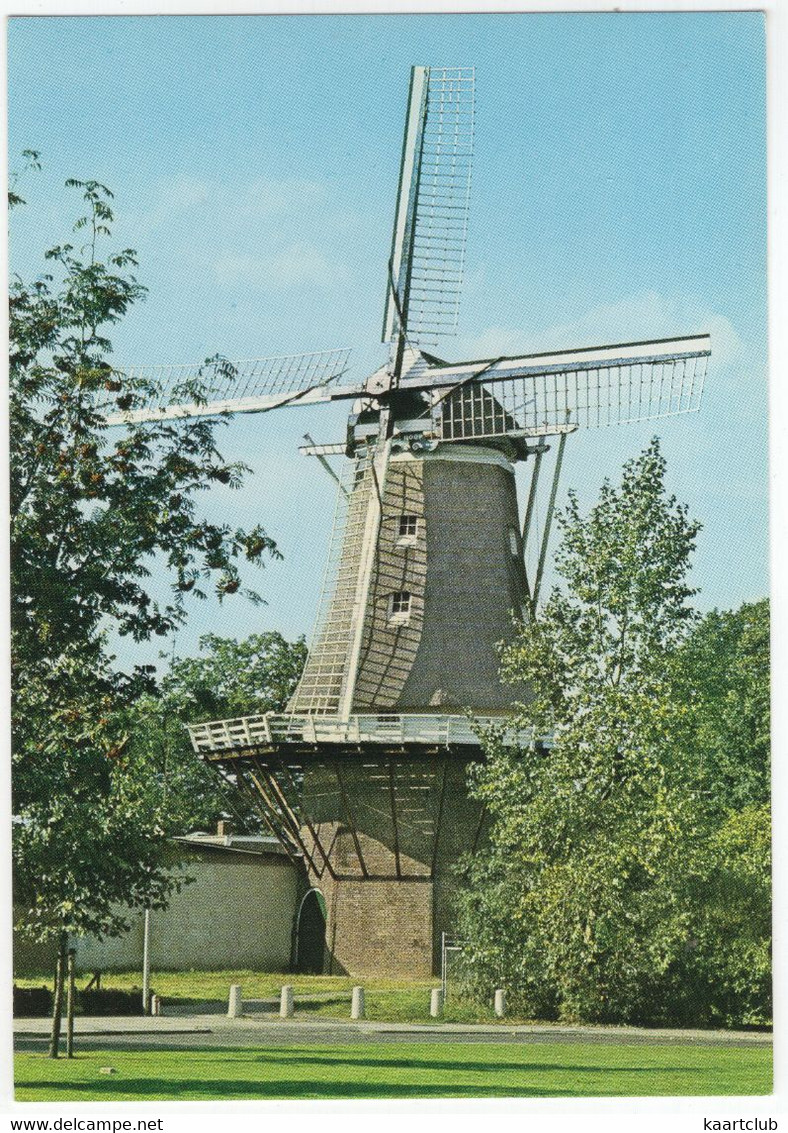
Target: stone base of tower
{"x":385,"y":868}
{"x":379,"y":928}
{"x":378,"y":826}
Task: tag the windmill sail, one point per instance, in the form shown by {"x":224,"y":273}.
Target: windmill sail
{"x":428,"y":245}
{"x":538,"y":394}
{"x":323,"y":682}
{"x":253,"y":385}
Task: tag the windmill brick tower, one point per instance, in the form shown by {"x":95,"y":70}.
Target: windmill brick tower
{"x":363,"y":779}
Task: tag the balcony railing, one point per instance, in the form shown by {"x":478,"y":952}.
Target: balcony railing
{"x":270,"y":730}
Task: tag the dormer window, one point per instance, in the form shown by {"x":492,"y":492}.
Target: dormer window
{"x":399,"y":606}
{"x":407,"y":528}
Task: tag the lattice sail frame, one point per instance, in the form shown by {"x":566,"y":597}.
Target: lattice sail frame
{"x":251,"y":385}
{"x":548,"y":394}
{"x":587,"y":399}
{"x":322,"y":683}
{"x":431,"y":219}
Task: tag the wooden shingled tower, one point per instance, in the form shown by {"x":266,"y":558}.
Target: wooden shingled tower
{"x":363,"y":779}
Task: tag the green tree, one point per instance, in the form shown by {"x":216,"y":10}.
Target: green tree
{"x":593,"y":900}
{"x":229,"y":679}
{"x":731,"y":947}
{"x":96,"y":513}
{"x":95,"y":510}
{"x":722,"y":675}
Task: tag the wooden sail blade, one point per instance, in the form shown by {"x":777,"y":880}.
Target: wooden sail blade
{"x":538,"y":394}
{"x":428,"y":244}
{"x":325,"y":674}
{"x":218,"y":386}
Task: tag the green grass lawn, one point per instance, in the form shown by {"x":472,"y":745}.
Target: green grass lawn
{"x":204,"y":987}
{"x":387,"y":1000}
{"x":413,"y":1070}
{"x":398,"y":1005}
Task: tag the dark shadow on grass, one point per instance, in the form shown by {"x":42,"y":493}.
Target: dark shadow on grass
{"x":460,"y":1064}
{"x":449,"y":1064}
{"x":180,"y":1007}
{"x":316,"y":1005}
{"x":223,"y":1088}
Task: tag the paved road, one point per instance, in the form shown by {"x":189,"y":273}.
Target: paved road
{"x":201,"y":1031}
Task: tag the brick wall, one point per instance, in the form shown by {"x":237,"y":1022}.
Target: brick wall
{"x":381,"y":923}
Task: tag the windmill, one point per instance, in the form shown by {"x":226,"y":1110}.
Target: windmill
{"x":363,"y":778}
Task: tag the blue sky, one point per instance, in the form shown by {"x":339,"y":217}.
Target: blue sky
{"x":618,"y":193}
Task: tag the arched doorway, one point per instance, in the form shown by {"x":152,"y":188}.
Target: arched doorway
{"x":310,"y":939}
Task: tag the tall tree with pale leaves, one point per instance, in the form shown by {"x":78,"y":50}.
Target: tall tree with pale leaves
{"x":588,"y":903}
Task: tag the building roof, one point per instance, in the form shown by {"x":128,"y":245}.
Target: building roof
{"x":253,"y":844}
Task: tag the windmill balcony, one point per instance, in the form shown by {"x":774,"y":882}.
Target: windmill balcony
{"x":389,"y":731}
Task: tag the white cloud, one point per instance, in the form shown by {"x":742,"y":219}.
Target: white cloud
{"x":294,"y":266}
{"x":233,"y":205}
{"x":263,"y":234}
{"x":635,"y":317}
{"x":171,"y":197}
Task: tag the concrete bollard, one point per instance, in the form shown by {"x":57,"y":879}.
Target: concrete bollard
{"x":286,"y":1003}
{"x":436,"y":1003}
{"x":357,"y":1003}
{"x":155,"y":1005}
{"x":235,"y":1002}
{"x":500,"y":1002}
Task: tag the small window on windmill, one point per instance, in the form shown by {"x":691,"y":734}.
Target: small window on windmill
{"x":407,"y":529}
{"x":399,"y":606}
{"x":513,"y":541}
